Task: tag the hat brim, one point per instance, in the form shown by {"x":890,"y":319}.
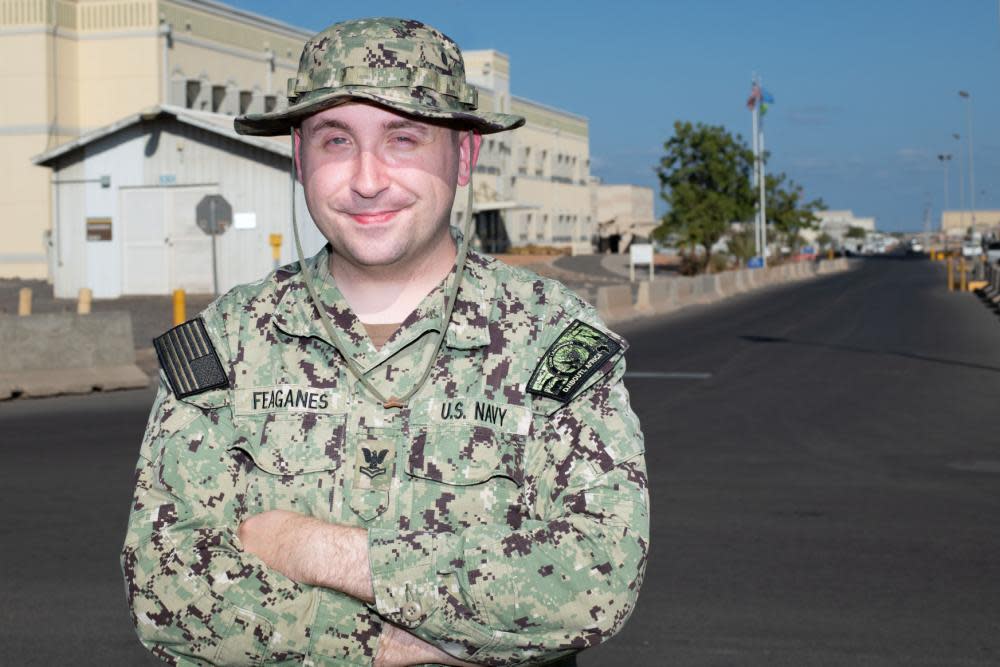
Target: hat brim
{"x":280,"y":122}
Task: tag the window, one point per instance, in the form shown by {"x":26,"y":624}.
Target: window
{"x":191,"y":92}
{"x":270,"y":103}
{"x":246,"y":99}
{"x":218,"y":97}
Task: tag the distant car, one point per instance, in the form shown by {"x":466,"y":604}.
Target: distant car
{"x":993,"y":252}
{"x":916,"y":246}
{"x":971,"y":249}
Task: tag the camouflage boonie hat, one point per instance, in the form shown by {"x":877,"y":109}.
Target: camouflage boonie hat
{"x":400,"y":64}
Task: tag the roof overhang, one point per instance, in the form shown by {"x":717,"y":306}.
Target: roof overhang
{"x":508,"y":205}
{"x":219,"y":124}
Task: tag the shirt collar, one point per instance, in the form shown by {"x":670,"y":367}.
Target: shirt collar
{"x":294,"y":313}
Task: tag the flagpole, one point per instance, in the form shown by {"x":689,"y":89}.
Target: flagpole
{"x":761,"y":181}
{"x":756,"y":180}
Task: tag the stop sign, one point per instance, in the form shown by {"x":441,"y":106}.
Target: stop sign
{"x":213,"y":214}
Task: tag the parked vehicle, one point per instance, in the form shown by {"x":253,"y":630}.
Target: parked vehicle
{"x":971,"y":249}
{"x":993,"y":252}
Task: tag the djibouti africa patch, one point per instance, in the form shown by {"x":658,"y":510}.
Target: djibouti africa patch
{"x":577,"y":354}
{"x":188,"y":358}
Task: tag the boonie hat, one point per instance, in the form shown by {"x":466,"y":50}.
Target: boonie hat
{"x":401,"y":64}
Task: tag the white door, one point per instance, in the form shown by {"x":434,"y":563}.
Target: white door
{"x":190,"y":248}
{"x":144,"y":242}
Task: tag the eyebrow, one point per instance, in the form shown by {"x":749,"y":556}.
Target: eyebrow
{"x":395,"y":124}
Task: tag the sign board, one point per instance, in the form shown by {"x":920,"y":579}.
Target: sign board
{"x":641,"y":253}
{"x":245,"y":220}
{"x":808,"y":250}
{"x":98,"y":229}
{"x":213,"y":215}
{"x":755,"y":263}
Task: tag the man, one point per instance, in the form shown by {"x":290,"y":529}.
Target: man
{"x":395,"y":452}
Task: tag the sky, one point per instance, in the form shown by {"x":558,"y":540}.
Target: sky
{"x":866,"y":93}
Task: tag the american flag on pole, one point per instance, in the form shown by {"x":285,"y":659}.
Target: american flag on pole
{"x":755,"y":96}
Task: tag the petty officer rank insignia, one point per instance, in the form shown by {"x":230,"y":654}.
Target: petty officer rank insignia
{"x":189,"y":360}
{"x":577,"y":354}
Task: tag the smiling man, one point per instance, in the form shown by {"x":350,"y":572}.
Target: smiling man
{"x":396,"y":452}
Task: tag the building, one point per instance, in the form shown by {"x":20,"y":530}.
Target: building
{"x":87,"y":69}
{"x":624,"y":212}
{"x":956,"y":224}
{"x":836,"y":224}
{"x":74,"y":66}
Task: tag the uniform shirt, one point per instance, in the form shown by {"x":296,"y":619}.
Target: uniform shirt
{"x":504,"y":527}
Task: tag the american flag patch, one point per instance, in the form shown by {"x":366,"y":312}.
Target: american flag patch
{"x":188,"y":358}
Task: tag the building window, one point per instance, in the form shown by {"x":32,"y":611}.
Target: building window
{"x":191,"y":92}
{"x":246,"y":99}
{"x":270,"y":103}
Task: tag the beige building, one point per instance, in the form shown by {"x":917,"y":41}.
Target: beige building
{"x":624,"y":210}
{"x":836,"y":224}
{"x":73,"y":66}
{"x":960,"y":223}
{"x":80,"y":66}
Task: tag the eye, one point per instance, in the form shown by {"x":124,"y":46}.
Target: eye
{"x":337,"y":141}
{"x":404,"y":140}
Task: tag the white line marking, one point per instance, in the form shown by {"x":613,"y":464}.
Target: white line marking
{"x":667,"y":376}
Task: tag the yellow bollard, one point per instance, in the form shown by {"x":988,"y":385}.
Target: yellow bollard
{"x":180,"y":310}
{"x":24,"y":302}
{"x":962,"y":276}
{"x":275,"y":241}
{"x":951,"y":275}
{"x":829,"y":253}
{"x":83,"y":301}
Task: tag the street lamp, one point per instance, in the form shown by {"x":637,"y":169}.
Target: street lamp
{"x":961,"y":183}
{"x":972,"y":171}
{"x":945,"y":158}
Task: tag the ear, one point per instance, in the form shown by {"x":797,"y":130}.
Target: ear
{"x":468,"y":155}
{"x":297,"y":140}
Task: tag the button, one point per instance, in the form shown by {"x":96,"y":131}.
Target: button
{"x":411,"y":611}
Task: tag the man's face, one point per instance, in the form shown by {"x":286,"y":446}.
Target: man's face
{"x":380,"y":186}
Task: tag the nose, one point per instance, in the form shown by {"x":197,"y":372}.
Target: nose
{"x":369,"y":175}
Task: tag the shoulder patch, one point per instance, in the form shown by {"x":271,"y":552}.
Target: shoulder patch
{"x":188,"y":358}
{"x":577,"y":354}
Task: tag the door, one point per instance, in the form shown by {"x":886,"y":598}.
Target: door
{"x":144,"y":241}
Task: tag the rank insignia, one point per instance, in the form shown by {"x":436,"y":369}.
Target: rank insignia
{"x":189,"y":360}
{"x":374,"y":462}
{"x":577,"y":354}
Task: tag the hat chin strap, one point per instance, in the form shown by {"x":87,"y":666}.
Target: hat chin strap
{"x":451,"y":295}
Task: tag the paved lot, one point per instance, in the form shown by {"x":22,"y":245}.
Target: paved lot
{"x":827,"y":495}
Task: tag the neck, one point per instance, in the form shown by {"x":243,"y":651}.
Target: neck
{"x":388,"y":294}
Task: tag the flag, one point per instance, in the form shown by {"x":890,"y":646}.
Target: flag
{"x":754,"y":97}
{"x":766,"y":100}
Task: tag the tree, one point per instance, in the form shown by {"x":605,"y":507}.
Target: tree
{"x":788,"y":211}
{"x":856,"y":232}
{"x":705,"y":178}
{"x":824,"y":240}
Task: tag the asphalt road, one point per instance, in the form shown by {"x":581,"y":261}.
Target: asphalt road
{"x":825,"y":477}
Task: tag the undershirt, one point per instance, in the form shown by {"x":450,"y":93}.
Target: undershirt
{"x":380,"y":333}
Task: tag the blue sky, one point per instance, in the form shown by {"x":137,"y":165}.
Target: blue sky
{"x":866,"y":92}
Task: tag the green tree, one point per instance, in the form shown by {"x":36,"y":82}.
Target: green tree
{"x":705,"y":178}
{"x":824,"y":240}
{"x":787,"y":210}
{"x":856,"y":232}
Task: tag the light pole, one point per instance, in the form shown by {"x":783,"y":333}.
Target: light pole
{"x":945,"y":159}
{"x":961,"y":183}
{"x":972,"y":170}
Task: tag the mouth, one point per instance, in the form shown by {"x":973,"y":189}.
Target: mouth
{"x":374,"y":217}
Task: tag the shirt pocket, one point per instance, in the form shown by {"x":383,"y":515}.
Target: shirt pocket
{"x":293,"y":463}
{"x":463,"y":476}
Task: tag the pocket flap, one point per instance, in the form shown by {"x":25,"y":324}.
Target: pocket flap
{"x":466,"y":455}
{"x":297,"y":445}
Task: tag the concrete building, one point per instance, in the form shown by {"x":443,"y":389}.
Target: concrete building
{"x":125,"y":198}
{"x":836,"y":224}
{"x":624,"y":212}
{"x":90,"y":72}
{"x":69,"y":67}
{"x":956,"y":224}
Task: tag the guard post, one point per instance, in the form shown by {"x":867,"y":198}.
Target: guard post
{"x":83,"y":301}
{"x":24,"y":302}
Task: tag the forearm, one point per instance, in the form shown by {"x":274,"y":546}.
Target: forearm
{"x":399,"y":648}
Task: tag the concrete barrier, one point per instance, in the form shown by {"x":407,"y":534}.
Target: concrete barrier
{"x":614,"y":302}
{"x":57,"y":353}
{"x":726,"y":282}
{"x":663,"y":295}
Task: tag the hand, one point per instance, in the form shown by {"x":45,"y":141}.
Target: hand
{"x":311,"y":551}
{"x":398,"y":648}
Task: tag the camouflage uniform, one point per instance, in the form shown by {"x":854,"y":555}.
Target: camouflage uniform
{"x":506,"y":526}
{"x":505,"y":503}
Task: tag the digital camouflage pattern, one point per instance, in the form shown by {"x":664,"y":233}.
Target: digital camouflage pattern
{"x":402,"y":64}
{"x":506,"y":528}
